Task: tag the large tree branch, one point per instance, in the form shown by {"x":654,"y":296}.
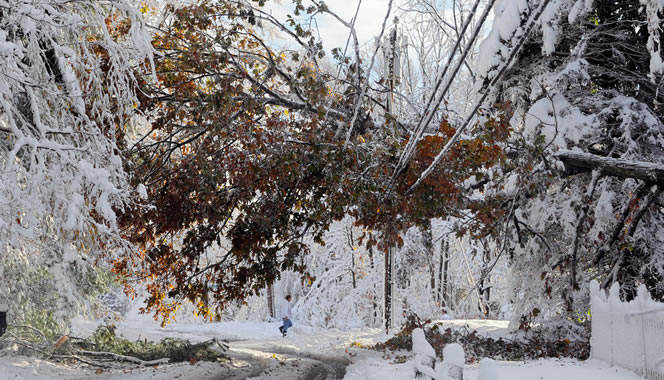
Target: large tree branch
{"x":576,"y":162}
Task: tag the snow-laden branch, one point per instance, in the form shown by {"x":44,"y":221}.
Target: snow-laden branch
{"x":585,"y":162}
{"x":125,"y":358}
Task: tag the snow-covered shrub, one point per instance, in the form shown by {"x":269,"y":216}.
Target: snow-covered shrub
{"x":476,"y":347}
{"x":45,"y":290}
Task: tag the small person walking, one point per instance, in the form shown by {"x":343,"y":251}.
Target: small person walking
{"x":286,"y":315}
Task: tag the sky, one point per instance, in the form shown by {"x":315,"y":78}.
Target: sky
{"x":334,"y":34}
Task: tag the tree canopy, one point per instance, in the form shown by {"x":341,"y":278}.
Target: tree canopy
{"x":247,"y":154}
{"x":203,"y":147}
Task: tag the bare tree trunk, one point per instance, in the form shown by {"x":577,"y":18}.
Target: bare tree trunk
{"x":439,"y":291}
{"x":373,"y":300}
{"x":427,"y":242}
{"x":432,"y":269}
{"x":351,"y":244}
{"x":270,"y":301}
{"x":352,"y":268}
{"x":444,"y":274}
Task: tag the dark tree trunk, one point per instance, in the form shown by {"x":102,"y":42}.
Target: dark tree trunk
{"x":374,"y":296}
{"x":4,"y":309}
{"x":388,"y":290}
{"x":351,"y":244}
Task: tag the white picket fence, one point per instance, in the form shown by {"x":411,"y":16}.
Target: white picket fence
{"x":628,"y":334}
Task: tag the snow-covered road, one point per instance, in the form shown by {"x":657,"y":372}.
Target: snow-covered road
{"x":257,"y":349}
{"x":259,"y":352}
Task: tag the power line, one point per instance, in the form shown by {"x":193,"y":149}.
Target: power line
{"x":479,"y":103}
{"x":429,"y":110}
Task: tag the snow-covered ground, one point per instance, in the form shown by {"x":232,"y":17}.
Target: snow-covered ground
{"x":374,"y":367}
{"x":259,"y":352}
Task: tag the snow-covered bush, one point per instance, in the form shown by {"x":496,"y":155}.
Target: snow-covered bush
{"x":45,"y":290}
{"x":476,"y":346}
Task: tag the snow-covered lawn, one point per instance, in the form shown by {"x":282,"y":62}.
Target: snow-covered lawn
{"x":259,"y":352}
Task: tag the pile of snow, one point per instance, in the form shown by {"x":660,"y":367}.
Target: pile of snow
{"x":454,"y":355}
{"x":424,"y":363}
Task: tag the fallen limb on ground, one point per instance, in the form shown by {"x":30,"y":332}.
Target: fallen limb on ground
{"x":125,"y":358}
{"x":106,"y":350}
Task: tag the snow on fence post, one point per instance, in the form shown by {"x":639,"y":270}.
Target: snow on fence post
{"x":628,"y":334}
{"x":455,"y":359}
{"x":4,"y":308}
{"x":425,"y":356}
